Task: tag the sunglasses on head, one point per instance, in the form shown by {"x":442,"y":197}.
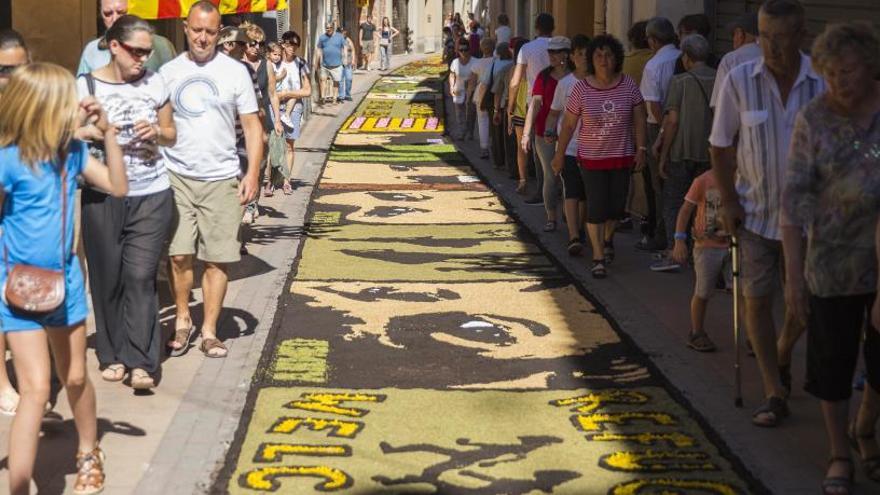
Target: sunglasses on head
{"x":135,"y":51}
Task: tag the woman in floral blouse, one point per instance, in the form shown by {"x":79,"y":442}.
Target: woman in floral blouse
{"x":832,"y":192}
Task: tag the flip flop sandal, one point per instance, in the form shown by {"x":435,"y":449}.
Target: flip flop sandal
{"x":141,"y":380}
{"x":208,"y":345}
{"x":836,"y":485}
{"x":9,"y":403}
{"x":701,"y":342}
{"x":776,"y":407}
{"x":287,"y":188}
{"x":181,"y":336}
{"x":113,"y":373}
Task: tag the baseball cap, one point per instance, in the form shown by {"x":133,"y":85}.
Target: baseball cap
{"x":559,"y":43}
{"x":232,"y":34}
{"x":747,"y":22}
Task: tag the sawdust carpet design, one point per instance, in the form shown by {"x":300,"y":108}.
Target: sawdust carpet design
{"x":426,"y":345}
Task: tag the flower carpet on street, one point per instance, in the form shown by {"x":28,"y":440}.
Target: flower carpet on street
{"x":426,"y":344}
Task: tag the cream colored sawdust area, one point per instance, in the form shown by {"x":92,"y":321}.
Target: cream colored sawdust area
{"x":574,"y":329}
{"x":563,"y":442}
{"x":381,"y":173}
{"x":433,"y":207}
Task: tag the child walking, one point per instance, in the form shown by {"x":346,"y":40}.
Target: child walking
{"x":39,"y":164}
{"x":711,"y":251}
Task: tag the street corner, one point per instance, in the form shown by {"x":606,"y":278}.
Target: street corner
{"x":388,"y":440}
{"x":418,"y":253}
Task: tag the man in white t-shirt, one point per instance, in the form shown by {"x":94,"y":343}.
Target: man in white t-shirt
{"x":208,"y":89}
{"x":532,"y":59}
{"x":462,"y":84}
{"x":655,"y":85}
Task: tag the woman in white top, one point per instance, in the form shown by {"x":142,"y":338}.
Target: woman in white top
{"x":124,"y":237}
{"x":386,"y":36}
{"x":462,"y":85}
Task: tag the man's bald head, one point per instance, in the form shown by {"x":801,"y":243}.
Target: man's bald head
{"x":203,"y":6}
{"x":112,"y":10}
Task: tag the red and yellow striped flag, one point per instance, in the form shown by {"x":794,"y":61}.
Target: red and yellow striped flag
{"x":165,"y":9}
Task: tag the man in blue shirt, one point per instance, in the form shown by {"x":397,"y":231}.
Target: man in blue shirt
{"x":331,"y":46}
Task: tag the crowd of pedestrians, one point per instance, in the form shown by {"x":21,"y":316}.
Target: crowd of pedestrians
{"x":767,"y":151}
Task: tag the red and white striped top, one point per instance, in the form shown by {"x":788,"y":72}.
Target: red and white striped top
{"x":606,"y":140}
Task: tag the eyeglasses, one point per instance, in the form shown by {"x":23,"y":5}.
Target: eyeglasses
{"x":135,"y":51}
{"x":254,"y":44}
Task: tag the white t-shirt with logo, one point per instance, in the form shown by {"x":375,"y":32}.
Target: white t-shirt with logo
{"x":462,"y":74}
{"x":126,"y":104}
{"x":206,"y":98}
{"x":560,"y":100}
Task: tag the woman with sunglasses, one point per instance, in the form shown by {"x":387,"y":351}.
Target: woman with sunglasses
{"x":124,"y":237}
{"x":265,"y":87}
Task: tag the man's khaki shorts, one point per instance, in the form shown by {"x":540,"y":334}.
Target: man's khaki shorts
{"x":334,"y":73}
{"x":367,"y":47}
{"x":207,"y":219}
{"x":761,"y":264}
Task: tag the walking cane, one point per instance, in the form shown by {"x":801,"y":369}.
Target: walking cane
{"x":737,"y":378}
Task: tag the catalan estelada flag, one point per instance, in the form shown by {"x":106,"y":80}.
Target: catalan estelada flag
{"x":165,"y":9}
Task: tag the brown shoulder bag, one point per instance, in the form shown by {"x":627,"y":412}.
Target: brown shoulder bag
{"x":32,"y":290}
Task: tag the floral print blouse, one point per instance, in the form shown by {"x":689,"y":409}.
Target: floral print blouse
{"x":832,"y":189}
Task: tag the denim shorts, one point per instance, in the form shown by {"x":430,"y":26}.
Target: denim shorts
{"x":296,"y":117}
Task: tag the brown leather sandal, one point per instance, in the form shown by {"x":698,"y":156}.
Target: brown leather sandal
{"x":210,"y":344}
{"x":181,"y":337}
{"x":89,"y":472}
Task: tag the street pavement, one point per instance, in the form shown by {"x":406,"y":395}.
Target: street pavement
{"x":426,"y":343}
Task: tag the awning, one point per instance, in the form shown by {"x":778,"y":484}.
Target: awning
{"x":166,"y":9}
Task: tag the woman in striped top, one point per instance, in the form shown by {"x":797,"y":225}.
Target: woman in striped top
{"x":611,"y":142}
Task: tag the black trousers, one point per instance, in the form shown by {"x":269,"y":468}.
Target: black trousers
{"x":497,"y":139}
{"x":124,"y":239}
{"x":510,"y":145}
